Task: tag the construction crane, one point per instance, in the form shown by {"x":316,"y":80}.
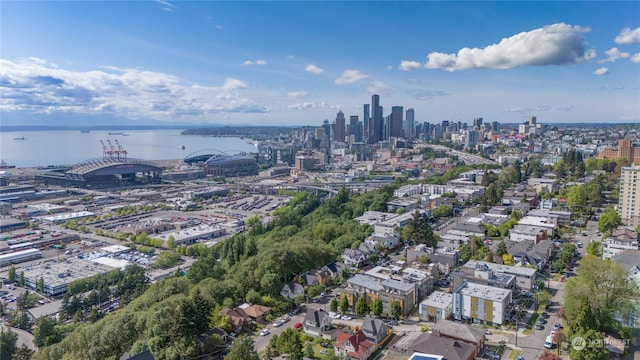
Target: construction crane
{"x":114,"y":151}
{"x":122,"y":153}
{"x":107,"y":153}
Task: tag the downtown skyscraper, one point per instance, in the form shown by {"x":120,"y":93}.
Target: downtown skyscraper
{"x":376,"y":124}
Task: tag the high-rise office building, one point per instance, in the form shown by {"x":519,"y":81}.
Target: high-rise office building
{"x":445,"y":125}
{"x":532,"y":121}
{"x":395,"y":122}
{"x":477,"y":122}
{"x":471,"y":139}
{"x":410,"y":124}
{"x":355,"y":128}
{"x":340,"y":127}
{"x":365,"y":118}
{"x":327,"y":130}
{"x":628,"y":205}
{"x":495,"y":126}
{"x":376,"y":124}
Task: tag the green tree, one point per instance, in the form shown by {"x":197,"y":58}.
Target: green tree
{"x":22,"y":353}
{"x":361,"y":305}
{"x":8,"y":343}
{"x":577,"y":199}
{"x":609,"y":220}
{"x":396,"y":309}
{"x":594,"y":248}
{"x":40,"y":285}
{"x":171,"y":242}
{"x":333,"y":305}
{"x":46,"y":332}
{"x":21,"y":280}
{"x":422,"y":259}
{"x":376,"y":307}
{"x":308,"y":351}
{"x":243,"y":348}
{"x":594,"y":350}
{"x":502,"y":249}
{"x":12,"y":274}
{"x":598,"y":297}
{"x":344,"y":305}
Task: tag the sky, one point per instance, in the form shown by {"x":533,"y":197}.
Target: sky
{"x":299,"y":63}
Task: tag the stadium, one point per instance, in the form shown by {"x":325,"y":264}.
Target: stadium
{"x":105,"y":173}
{"x":216,"y":163}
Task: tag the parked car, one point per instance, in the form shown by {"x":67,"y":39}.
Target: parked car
{"x":345,"y":317}
{"x":557,"y":326}
{"x":539,"y":327}
{"x":326,"y":345}
{"x":264,"y":332}
{"x":277,"y":323}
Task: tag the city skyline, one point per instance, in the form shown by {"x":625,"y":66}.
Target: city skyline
{"x":295,"y":63}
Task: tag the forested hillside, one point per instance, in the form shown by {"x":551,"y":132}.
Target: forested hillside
{"x":252,"y":266}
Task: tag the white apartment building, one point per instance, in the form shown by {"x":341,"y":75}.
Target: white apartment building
{"x":628,"y":206}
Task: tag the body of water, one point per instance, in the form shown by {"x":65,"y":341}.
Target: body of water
{"x":68,"y":147}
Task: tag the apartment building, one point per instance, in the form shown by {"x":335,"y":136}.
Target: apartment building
{"x":438,"y":306}
{"x":628,"y":207}
{"x":621,"y":239}
{"x":525,"y":277}
{"x":388,"y":290}
{"x":481,"y":303}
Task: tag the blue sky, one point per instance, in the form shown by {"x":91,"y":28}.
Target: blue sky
{"x":298,"y":63}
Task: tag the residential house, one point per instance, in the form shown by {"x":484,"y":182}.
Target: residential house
{"x":352,"y":257}
{"x":335,"y":270}
{"x":630,"y":261}
{"x":255,"y":312}
{"x":461,"y":332}
{"x":355,"y":346}
{"x":238,"y":318}
{"x":436,"y":307}
{"x":449,"y":349}
{"x":445,"y":257}
{"x":385,"y":241}
{"x":291,"y":290}
{"x":316,"y":321}
{"x":375,"y":330}
{"x":623,"y":238}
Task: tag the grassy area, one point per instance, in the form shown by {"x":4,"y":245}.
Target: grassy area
{"x":514,"y":354}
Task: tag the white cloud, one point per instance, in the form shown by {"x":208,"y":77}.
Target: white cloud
{"x":313,"y":69}
{"x":532,"y":110}
{"x":167,"y":6}
{"x":297,"y":94}
{"x":406,"y":65}
{"x":302,"y":106}
{"x":420,"y":94}
{"x":635,"y":58}
{"x":628,"y":36}
{"x":378,"y":87}
{"x":557,"y":44}
{"x":34,"y":86}
{"x":219,"y":27}
{"x":350,"y":76}
{"x":389,"y":68}
{"x":614,"y":54}
{"x":257,"y":62}
{"x":234,"y":84}
{"x":601,"y":71}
